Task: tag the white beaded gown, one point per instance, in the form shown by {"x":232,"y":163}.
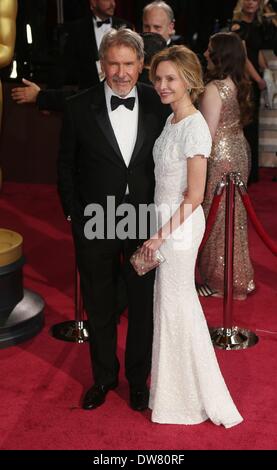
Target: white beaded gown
{"x":186,"y":383}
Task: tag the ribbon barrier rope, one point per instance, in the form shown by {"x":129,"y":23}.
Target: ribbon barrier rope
{"x":232,"y":337}
{"x":271,"y":245}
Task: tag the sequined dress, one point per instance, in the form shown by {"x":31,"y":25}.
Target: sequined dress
{"x":186,"y":383}
{"x":230,"y":152}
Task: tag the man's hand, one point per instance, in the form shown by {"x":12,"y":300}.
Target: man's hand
{"x":27,"y":94}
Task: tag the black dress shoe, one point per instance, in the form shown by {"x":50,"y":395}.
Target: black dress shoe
{"x":96,"y":395}
{"x":139,"y":399}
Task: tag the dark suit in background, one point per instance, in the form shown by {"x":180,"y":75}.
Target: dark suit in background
{"x":176,"y":40}
{"x":81,"y":52}
{"x":78,"y":64}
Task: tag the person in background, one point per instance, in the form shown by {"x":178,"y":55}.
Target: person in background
{"x":80,"y":64}
{"x":84,"y":39}
{"x":248,"y":23}
{"x":226,"y":106}
{"x":153,"y":43}
{"x":158,"y":17}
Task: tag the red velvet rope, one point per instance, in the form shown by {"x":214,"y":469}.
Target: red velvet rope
{"x":257,"y":224}
{"x":211,"y":218}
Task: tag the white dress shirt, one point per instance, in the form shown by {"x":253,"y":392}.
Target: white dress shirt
{"x":124,"y":123}
{"x":99,"y":33}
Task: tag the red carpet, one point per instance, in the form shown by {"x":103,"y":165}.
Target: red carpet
{"x":43,"y":379}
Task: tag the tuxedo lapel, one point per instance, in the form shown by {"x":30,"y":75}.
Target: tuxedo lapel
{"x":141,"y":134}
{"x":99,"y":109}
{"x":93,"y":42}
{"x":87,"y":38}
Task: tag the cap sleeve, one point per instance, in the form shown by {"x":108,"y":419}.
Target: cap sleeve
{"x":198,"y":139}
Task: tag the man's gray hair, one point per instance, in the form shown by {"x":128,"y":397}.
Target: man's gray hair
{"x":163,"y":5}
{"x":122,"y":37}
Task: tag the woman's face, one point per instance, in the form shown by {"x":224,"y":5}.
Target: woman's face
{"x":210,"y":64}
{"x":168,"y":83}
{"x":250,"y":6}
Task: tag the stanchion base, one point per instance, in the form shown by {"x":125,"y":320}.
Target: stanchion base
{"x":72,"y":331}
{"x":233,"y":338}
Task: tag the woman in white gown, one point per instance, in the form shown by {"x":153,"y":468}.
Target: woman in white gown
{"x":186,"y":383}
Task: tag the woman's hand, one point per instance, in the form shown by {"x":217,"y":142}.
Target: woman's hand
{"x":150,"y":247}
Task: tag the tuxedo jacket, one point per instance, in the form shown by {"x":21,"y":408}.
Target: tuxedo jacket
{"x":81,"y":52}
{"x":90,"y":164}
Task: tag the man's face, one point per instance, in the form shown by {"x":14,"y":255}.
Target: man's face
{"x":156,"y":20}
{"x":122,"y":68}
{"x":102,"y":8}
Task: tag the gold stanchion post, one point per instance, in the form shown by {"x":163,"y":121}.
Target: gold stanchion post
{"x":230,"y":337}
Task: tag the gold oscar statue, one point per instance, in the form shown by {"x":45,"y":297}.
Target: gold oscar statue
{"x":8,"y":10}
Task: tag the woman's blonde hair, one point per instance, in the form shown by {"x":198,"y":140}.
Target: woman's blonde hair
{"x":238,"y":12}
{"x":187,"y":64}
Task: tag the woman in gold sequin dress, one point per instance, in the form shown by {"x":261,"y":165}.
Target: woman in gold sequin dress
{"x":226,"y":108}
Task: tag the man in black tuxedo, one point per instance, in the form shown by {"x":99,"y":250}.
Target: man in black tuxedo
{"x":84,"y":37}
{"x":106,"y":151}
{"x":158,"y":17}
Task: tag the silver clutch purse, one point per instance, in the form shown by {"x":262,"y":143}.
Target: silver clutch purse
{"x":142,"y":266}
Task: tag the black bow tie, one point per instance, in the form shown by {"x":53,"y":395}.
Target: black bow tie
{"x":127,"y":102}
{"x":100,"y":23}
